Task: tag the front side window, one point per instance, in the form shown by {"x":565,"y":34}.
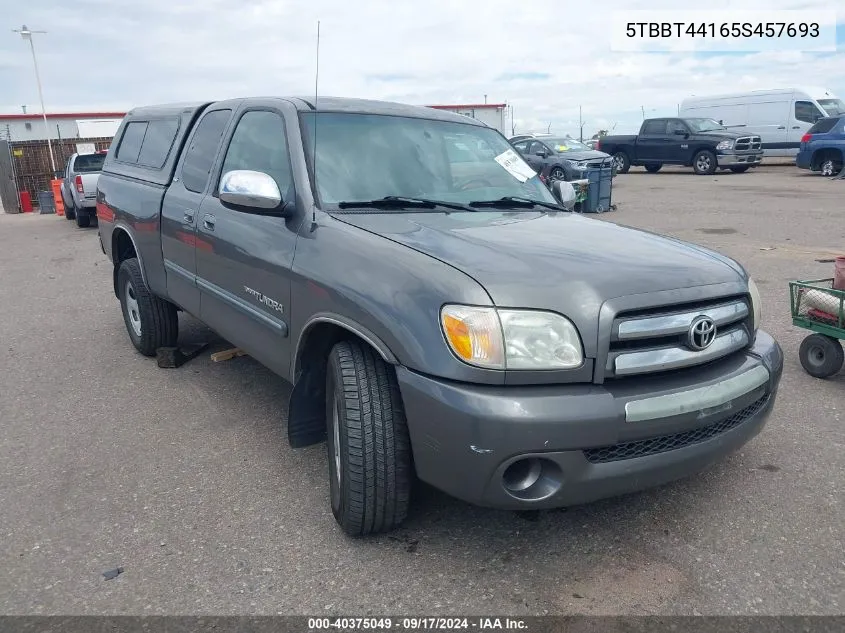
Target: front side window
{"x":807,"y":112}
{"x":259,"y":144}
{"x":364,"y":157}
{"x":200,"y":156}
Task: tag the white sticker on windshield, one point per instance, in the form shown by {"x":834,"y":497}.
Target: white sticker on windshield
{"x":515,"y":166}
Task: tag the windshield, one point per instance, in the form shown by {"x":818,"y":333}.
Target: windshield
{"x":833,"y":107}
{"x":704,"y":125}
{"x":562,"y":145}
{"x":368,"y":157}
{"x":88,"y":163}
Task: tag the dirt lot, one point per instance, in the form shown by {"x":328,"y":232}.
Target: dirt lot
{"x":184,"y":477}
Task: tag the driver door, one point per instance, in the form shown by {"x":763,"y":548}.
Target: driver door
{"x":537,"y":155}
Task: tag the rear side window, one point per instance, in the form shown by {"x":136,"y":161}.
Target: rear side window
{"x":201,"y":153}
{"x":807,"y":111}
{"x":656,"y":126}
{"x":157,"y":142}
{"x":823,"y":126}
{"x":130,"y":144}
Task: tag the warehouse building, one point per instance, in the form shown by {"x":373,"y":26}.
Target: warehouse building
{"x":492,"y":114}
{"x":60,"y":125}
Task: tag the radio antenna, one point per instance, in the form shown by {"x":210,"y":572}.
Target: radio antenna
{"x":316,"y":94}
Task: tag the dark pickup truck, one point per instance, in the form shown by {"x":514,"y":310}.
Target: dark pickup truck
{"x":437,"y":310}
{"x":703,"y":144}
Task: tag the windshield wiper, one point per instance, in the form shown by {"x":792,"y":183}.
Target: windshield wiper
{"x":401,"y":202}
{"x":509,"y":202}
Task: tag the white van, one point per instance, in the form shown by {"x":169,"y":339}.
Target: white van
{"x":780,"y":117}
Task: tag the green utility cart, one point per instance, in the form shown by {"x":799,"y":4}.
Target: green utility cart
{"x":817,"y":306}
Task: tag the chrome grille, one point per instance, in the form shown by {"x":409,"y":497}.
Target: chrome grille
{"x":748,"y":144}
{"x":655,"y":341}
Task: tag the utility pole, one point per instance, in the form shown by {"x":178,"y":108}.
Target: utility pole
{"x":27,"y":35}
{"x":643,"y":109}
{"x":580,"y":126}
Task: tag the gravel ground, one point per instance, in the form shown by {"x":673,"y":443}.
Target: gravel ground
{"x":185,"y":480}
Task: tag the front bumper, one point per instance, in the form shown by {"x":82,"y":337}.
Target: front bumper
{"x":736,"y":160}
{"x":466,"y":438}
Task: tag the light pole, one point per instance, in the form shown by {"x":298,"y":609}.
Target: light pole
{"x":27,"y":35}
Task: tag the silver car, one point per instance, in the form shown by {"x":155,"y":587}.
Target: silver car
{"x":79,"y":186}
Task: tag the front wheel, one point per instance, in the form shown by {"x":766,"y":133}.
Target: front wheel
{"x":557,"y":174}
{"x":704,"y":163}
{"x":622,"y":162}
{"x":369,"y":449}
{"x":821,"y":356}
{"x":653,"y":168}
{"x":151,"y":322}
{"x":740,"y":170}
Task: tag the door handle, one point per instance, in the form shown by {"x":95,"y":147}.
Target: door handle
{"x":796,"y":127}
{"x":781,"y":127}
{"x":208,"y":222}
{"x":188,"y":217}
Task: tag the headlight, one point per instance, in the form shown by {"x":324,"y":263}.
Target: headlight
{"x":725,"y":145}
{"x":511,"y":339}
{"x":756,"y":305}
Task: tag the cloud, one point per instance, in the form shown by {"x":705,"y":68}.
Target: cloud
{"x":440,"y":51}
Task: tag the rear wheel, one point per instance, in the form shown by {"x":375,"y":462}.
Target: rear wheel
{"x":829,"y":167}
{"x":739,"y":170}
{"x":151,"y":322}
{"x":622,"y":162}
{"x":821,"y":356}
{"x":70,"y":212}
{"x":368,"y":444}
{"x":83,"y":219}
{"x":704,"y":163}
{"x":653,"y":168}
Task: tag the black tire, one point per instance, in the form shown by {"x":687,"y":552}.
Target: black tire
{"x":83,"y":219}
{"x":158,"y":319}
{"x":371,"y":490}
{"x":623,"y":163}
{"x":740,"y":170}
{"x":704,"y":163}
{"x":557,"y":173}
{"x":829,"y":167}
{"x":70,"y":212}
{"x":653,"y":169}
{"x":821,"y":356}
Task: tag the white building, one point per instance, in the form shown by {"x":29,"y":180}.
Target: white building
{"x":66,"y":125}
{"x":493,"y":114}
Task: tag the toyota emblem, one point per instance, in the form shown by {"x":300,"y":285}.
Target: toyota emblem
{"x":702,"y":333}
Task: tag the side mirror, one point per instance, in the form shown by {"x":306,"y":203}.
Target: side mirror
{"x":250,"y":189}
{"x":541,"y":153}
{"x":679,"y":132}
{"x":565,"y":194}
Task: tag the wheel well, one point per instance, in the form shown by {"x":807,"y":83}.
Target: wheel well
{"x":122,"y":248}
{"x":307,"y":407}
{"x":823,"y":154}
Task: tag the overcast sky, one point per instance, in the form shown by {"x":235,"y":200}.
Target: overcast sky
{"x":544,"y":57}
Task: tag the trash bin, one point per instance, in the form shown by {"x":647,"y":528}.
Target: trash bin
{"x":599,"y":190}
{"x":46,"y":203}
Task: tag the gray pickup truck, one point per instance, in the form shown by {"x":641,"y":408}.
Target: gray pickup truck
{"x":79,"y":187}
{"x":451,"y":322}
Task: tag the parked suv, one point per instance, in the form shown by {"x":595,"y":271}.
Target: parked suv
{"x":458,"y":325}
{"x":79,"y":186}
{"x":823,"y":147}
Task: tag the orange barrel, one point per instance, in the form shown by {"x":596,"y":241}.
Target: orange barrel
{"x":56,"y":184}
{"x":839,"y":273}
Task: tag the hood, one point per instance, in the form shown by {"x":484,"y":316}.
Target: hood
{"x":562,"y":262}
{"x":723,"y":134}
{"x":587,"y":154}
